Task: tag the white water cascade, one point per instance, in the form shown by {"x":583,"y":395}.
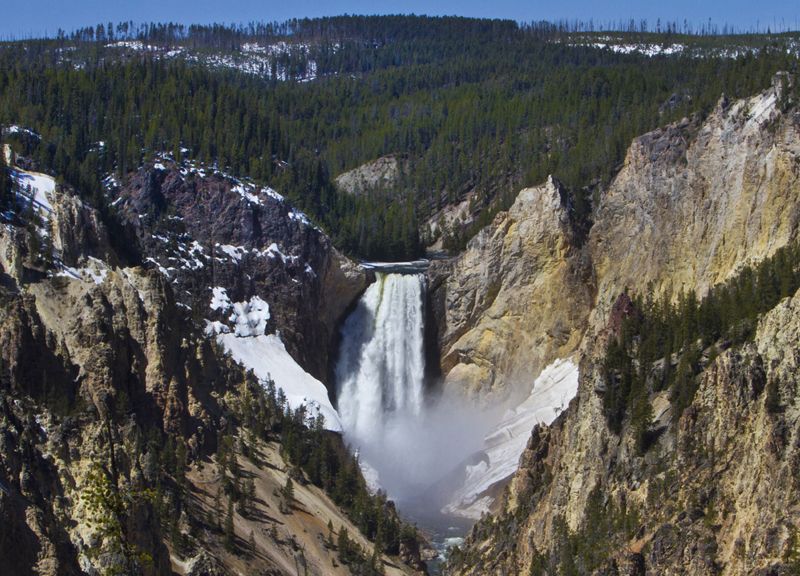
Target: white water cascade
{"x":381,"y":365}
{"x":407,"y":441}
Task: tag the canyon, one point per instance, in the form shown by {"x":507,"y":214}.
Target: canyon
{"x":475,"y":380}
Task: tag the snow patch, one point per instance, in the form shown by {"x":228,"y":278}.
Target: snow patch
{"x":244,"y":337}
{"x":250,"y":317}
{"x":110,"y":183}
{"x":136,"y":45}
{"x":14,"y":129}
{"x":267,"y":357}
{"x":158,"y":265}
{"x":762,"y":106}
{"x":273,"y":251}
{"x":41,"y":187}
{"x":263,"y":60}
{"x":300,"y":217}
{"x":95,"y":271}
{"x":503,"y":446}
{"x":37,"y":192}
{"x":245,"y":193}
{"x":233,"y":252}
{"x":645,"y":49}
{"x":272,"y":194}
{"x":219,"y":299}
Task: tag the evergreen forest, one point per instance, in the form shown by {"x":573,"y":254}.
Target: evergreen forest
{"x":474,"y":109}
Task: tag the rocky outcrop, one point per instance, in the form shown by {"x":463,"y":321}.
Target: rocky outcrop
{"x":80,"y":357}
{"x":94,"y":379}
{"x":515,"y":300}
{"x":126,"y":339}
{"x":703,"y":500}
{"x":109,"y":388}
{"x":693,"y":202}
{"x":78,"y":231}
{"x":203,"y":229}
{"x":379,"y":174}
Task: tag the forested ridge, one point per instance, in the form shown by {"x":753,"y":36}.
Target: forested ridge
{"x":474,"y":107}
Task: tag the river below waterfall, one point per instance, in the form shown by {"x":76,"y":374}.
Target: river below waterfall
{"x":442,"y":530}
{"x":409,"y":440}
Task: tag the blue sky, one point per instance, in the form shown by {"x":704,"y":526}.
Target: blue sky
{"x":36,"y":17}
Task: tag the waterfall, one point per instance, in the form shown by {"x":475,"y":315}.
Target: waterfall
{"x":381,"y":364}
{"x":407,"y":441}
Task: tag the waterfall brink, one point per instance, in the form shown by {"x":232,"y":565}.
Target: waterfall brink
{"x":381,"y":366}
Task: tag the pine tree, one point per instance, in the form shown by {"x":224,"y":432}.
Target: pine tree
{"x":180,"y":465}
{"x":217,"y":509}
{"x":247,"y":500}
{"x":792,"y":553}
{"x":168,"y":456}
{"x":343,"y":546}
{"x":329,"y":542}
{"x":230,"y":535}
{"x":287,"y":494}
{"x":641,"y":420}
{"x":376,"y":561}
{"x":773,"y":396}
{"x":6,"y":188}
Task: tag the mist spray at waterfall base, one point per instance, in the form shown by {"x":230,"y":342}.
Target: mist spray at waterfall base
{"x":415,"y":454}
{"x":413,"y":440}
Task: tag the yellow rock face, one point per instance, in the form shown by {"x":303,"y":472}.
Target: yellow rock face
{"x":692,"y":205}
{"x":514,"y":301}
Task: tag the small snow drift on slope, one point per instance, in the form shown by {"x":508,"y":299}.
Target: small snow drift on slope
{"x":94,"y":270}
{"x":42,"y":188}
{"x":244,"y":338}
{"x":551,"y":393}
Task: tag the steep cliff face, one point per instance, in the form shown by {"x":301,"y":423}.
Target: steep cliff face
{"x":515,"y":300}
{"x":693,"y":203}
{"x":716,"y":494}
{"x":78,"y":232}
{"x":92,"y":359}
{"x":96,"y":377}
{"x":378,"y":175}
{"x":202,"y":229}
{"x":88,"y":369}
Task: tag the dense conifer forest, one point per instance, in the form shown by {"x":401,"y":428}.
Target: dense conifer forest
{"x":475,"y":108}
